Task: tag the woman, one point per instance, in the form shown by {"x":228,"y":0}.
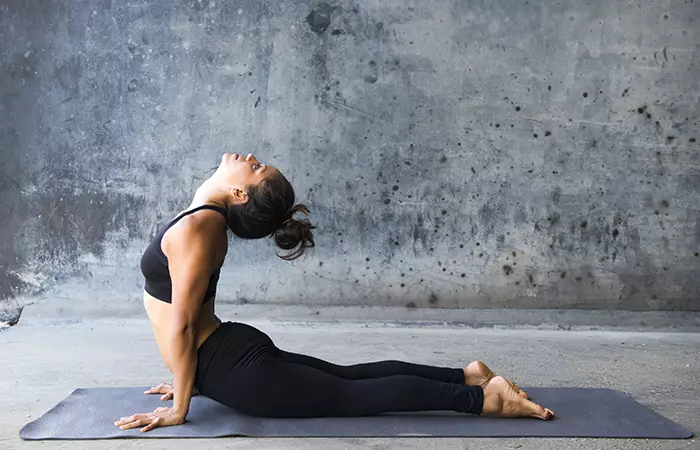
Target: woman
{"x":238,"y":365}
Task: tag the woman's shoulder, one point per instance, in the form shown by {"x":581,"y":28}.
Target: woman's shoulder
{"x":203,"y":228}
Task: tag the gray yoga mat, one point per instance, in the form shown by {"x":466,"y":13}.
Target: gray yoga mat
{"x":90,"y":414}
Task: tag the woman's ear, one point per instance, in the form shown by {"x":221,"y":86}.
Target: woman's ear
{"x":239,"y":196}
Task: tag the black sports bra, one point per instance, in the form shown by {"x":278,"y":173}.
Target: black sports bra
{"x":154,"y":263}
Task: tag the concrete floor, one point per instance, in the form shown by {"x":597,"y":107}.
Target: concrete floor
{"x":47,"y":355}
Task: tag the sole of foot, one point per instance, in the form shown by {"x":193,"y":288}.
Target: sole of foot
{"x":502,"y":400}
{"x":478,"y":374}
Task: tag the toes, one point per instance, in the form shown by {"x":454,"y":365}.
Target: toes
{"x":548,"y":414}
{"x":540,"y":412}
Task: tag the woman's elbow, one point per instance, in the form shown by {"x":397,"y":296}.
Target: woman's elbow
{"x":183,"y":329}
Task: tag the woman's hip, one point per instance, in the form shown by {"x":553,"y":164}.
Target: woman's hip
{"x":231,"y":344}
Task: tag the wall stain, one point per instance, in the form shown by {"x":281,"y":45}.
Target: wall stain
{"x":319,"y":19}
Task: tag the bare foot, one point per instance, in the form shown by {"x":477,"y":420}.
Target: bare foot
{"x":478,"y":374}
{"x":501,"y":400}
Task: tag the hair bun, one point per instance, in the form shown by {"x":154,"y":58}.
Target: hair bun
{"x":293,"y":232}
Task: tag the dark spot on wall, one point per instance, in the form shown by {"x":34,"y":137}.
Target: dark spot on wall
{"x":529,"y":277}
{"x":257,"y":101}
{"x":336,"y":32}
{"x":615,"y":233}
{"x":691,"y":140}
{"x":641,"y":109}
{"x":443,"y":159}
{"x":433,"y":299}
{"x":387,"y":201}
{"x":517,"y":108}
{"x":534,"y":135}
{"x":320,"y":264}
{"x":507,"y":269}
{"x":585,"y":94}
{"x":584,"y":224}
{"x":319,"y":19}
{"x":665,"y":203}
{"x":547,"y":133}
{"x":670,"y":138}
{"x":549,"y":88}
{"x":133,"y":85}
{"x":410,"y":305}
{"x":370,"y":78}
{"x":624,"y":93}
{"x":556,"y":196}
{"x":563,"y":275}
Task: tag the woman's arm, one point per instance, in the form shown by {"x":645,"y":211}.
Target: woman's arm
{"x":190,"y":252}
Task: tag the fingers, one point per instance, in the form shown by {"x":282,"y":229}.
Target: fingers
{"x":162,"y":388}
{"x":124,"y":420}
{"x":137,"y":420}
{"x":167,"y":396}
{"x":151,"y":425}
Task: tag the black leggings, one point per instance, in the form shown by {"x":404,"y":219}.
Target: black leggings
{"x":240,"y":367}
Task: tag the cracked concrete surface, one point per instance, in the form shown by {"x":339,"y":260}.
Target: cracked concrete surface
{"x":51,"y":354}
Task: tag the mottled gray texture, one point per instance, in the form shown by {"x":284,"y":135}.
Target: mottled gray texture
{"x":454,"y":154}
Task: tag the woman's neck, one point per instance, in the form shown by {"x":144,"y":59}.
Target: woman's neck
{"x":208,"y":194}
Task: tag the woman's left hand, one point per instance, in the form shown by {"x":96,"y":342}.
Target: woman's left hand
{"x":161,"y":417}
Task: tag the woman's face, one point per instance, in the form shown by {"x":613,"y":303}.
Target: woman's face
{"x":242,"y":171}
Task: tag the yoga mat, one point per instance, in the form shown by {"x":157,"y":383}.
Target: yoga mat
{"x":91,"y":413}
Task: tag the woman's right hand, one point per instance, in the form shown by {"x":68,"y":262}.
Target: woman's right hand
{"x":168,"y":391}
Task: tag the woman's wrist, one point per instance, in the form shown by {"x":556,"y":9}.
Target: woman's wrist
{"x":178,"y":415}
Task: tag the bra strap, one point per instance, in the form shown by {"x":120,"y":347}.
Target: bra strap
{"x":218,"y":209}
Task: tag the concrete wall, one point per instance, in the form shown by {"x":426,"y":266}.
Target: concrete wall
{"x":487,"y":154}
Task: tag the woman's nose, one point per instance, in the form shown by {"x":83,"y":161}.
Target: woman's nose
{"x":250,"y":157}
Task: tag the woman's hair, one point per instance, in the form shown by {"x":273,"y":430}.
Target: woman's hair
{"x":269,"y":212}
